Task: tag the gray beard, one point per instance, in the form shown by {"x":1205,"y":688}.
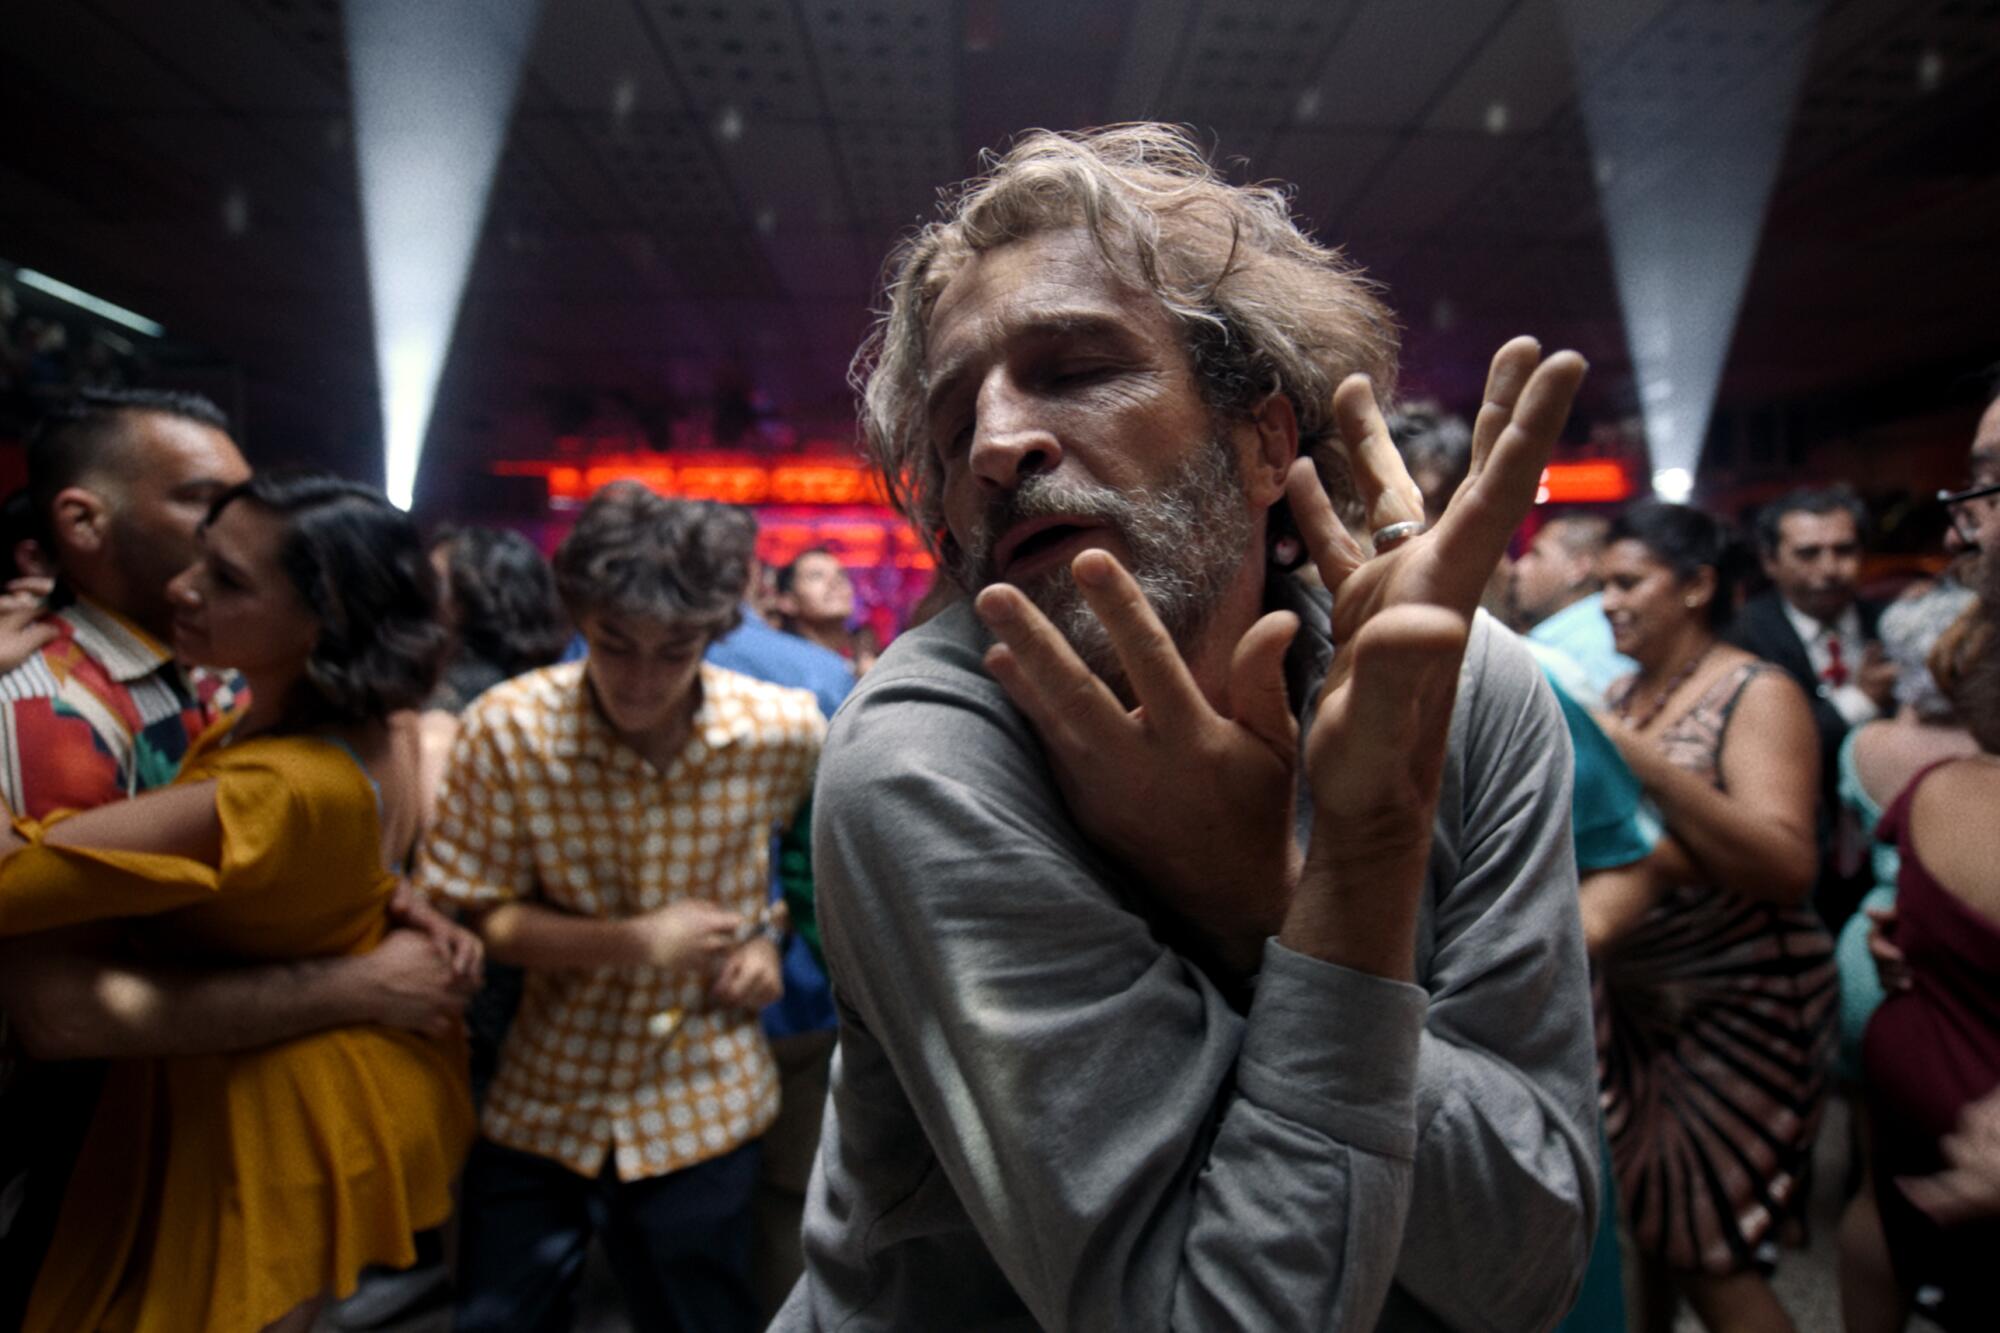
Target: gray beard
{"x":1186,"y":539}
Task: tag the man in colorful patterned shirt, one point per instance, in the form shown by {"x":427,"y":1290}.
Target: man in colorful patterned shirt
{"x":610,"y":821}
{"x":120,"y":482}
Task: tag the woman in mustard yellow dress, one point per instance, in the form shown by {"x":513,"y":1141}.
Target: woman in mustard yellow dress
{"x":236,"y":1192}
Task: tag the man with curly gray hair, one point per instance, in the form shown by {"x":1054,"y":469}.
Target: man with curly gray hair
{"x":1192,"y":974}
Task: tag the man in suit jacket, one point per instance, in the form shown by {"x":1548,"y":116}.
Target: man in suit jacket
{"x":1813,"y":624}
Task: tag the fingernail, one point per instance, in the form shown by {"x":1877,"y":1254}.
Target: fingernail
{"x":1092,"y":567}
{"x":994,"y":607}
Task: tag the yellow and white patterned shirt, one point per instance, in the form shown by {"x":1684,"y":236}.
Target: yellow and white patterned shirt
{"x":541,"y":802}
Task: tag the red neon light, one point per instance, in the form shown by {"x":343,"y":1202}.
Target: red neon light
{"x":730,"y":478}
{"x":1584,"y":483}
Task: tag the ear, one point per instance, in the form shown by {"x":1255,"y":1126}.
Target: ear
{"x":1700,"y":586}
{"x":1275,"y":448}
{"x":81,"y":519}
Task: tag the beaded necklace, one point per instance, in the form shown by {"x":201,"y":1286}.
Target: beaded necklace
{"x":1624,"y":706}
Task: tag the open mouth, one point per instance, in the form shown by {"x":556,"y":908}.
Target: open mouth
{"x":1036,"y":547}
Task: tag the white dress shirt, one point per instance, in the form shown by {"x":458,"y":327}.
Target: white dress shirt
{"x":1853,"y":703}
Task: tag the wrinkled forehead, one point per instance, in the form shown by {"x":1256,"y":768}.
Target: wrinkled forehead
{"x":1043,"y":281}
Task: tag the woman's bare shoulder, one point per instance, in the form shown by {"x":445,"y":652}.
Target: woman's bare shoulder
{"x":1956,"y":836}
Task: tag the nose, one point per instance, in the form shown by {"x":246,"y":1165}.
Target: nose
{"x":181,"y":590}
{"x":1011,"y":438}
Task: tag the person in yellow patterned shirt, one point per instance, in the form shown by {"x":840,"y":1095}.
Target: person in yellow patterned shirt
{"x":608,"y":825}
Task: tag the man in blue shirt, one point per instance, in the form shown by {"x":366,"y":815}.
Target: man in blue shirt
{"x":1558,"y":602}
{"x":801,"y":1025}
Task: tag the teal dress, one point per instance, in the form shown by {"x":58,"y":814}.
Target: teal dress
{"x":1612,"y":825}
{"x":1860,"y":987}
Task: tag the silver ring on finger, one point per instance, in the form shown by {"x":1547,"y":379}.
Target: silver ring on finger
{"x":1395,"y":534}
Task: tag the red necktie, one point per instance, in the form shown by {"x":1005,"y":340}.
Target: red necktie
{"x":1836,"y":670}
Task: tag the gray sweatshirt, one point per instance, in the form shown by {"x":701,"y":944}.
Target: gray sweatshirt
{"x":1042,"y":1115}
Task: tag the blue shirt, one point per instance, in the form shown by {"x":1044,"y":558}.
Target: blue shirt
{"x":756,"y":649}
{"x":1580,"y":632}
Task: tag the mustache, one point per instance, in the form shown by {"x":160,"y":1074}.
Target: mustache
{"x":1041,"y":497}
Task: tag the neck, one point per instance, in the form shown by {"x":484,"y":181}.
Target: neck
{"x":1685,"y":647}
{"x":1214,"y":647}
{"x":1572,"y":597}
{"x":268,"y":696}
{"x":1825,"y":621}
{"x":826,"y":635}
{"x":156,"y":621}
{"x":658,"y":744}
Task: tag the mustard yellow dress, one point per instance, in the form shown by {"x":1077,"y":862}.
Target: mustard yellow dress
{"x":218,"y":1192}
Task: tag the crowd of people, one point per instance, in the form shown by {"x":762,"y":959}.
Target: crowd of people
{"x":1207,"y":916}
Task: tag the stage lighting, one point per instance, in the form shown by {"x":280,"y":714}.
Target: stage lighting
{"x":433,"y":86}
{"x":82,"y":299}
{"x":1687,"y":117}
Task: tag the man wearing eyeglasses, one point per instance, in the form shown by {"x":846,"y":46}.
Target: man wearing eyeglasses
{"x":1972,"y":506}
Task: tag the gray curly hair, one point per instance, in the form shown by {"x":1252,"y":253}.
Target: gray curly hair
{"x":1262,"y":305}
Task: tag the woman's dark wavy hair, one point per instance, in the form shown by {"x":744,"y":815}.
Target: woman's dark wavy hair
{"x":506,"y":611}
{"x":358,"y":563}
{"x":1685,"y":540}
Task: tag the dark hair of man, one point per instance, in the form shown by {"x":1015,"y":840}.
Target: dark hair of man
{"x":85,"y":434}
{"x":1837,"y":499}
{"x":357,"y":561}
{"x":17,"y":524}
{"x":1580,"y":534}
{"x":1686,"y":541}
{"x":788,"y":575}
{"x":632,"y":552}
{"x":506,"y":610}
{"x":1429,"y":437}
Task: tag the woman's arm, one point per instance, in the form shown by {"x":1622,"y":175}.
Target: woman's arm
{"x":1754,"y":835}
{"x":180,"y":820}
{"x":1616,"y":899}
{"x":39,"y":890}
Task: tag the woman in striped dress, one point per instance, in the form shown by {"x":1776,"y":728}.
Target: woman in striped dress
{"x":1716,"y":1013}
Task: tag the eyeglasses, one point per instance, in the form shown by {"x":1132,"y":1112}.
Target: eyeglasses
{"x":1965,"y":521}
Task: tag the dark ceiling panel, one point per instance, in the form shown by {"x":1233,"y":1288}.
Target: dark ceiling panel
{"x":1517,"y":78}
{"x":88,"y":60}
{"x":1393,"y":59}
{"x":696,"y":194}
{"x":239,"y":62}
{"x":596,"y":57}
{"x":885,"y":60}
{"x":748,"y":57}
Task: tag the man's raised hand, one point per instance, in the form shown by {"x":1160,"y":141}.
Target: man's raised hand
{"x":1197,"y":800}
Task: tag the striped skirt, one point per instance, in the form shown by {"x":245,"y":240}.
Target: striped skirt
{"x":1716,"y":1022}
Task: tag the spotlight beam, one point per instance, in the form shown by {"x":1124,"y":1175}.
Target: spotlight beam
{"x":433,"y":84}
{"x":1686,"y":150}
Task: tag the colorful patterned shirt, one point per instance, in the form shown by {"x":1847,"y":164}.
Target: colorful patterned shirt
{"x":541,"y":802}
{"x":101,"y":713}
